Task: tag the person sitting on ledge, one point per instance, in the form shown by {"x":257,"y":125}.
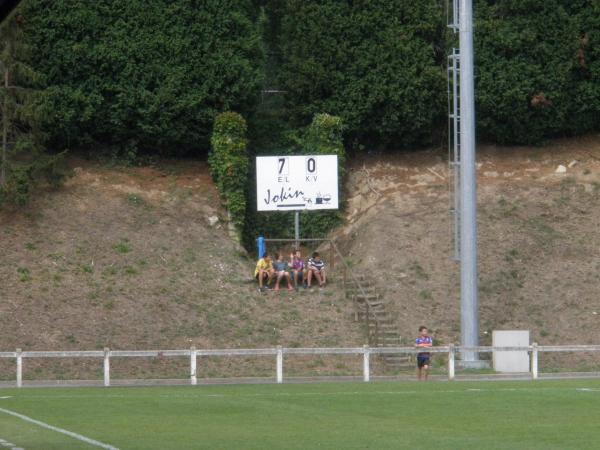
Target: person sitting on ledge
{"x":281,"y":271}
{"x":316,"y":268}
{"x":264,"y":271}
{"x":298,"y":271}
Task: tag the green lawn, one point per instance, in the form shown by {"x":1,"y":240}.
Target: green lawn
{"x":458,"y":415}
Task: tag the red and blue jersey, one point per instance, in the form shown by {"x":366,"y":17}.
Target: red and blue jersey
{"x":421,"y":340}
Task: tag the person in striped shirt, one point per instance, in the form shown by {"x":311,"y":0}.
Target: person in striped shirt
{"x":316,"y":269}
{"x":423,"y":358}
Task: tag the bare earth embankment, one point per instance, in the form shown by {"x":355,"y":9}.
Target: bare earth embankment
{"x":132,"y":259}
{"x":128,"y":259}
{"x":539,"y":244}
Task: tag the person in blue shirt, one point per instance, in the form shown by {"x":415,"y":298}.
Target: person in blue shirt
{"x":423,"y":341}
{"x":281,"y":271}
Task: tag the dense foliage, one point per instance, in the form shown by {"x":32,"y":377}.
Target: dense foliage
{"x":147,"y":74}
{"x":537,"y":69}
{"x":375,"y":63}
{"x":24,"y":161}
{"x":152,"y":74}
{"x":229,"y":163}
{"x":586,"y":107}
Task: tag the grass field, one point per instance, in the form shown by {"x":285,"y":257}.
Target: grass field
{"x":459,"y":415}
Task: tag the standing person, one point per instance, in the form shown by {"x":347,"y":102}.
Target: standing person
{"x":264,"y":271}
{"x":316,"y":268}
{"x":423,"y":358}
{"x":281,"y":271}
{"x":297,"y":268}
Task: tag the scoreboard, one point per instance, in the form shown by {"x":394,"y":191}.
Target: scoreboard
{"x":292,"y":183}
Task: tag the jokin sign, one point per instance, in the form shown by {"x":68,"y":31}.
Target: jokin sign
{"x":287,"y":183}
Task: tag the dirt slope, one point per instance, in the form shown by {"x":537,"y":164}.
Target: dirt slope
{"x":539,"y":244}
{"x":128,"y":259}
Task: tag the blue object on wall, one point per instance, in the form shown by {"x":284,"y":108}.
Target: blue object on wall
{"x":260,"y":242}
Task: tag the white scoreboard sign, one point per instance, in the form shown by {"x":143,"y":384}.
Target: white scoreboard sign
{"x":287,"y":183}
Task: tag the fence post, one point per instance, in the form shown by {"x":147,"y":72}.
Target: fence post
{"x":279,"y":364}
{"x":534,"y":361}
{"x":193,"y":355}
{"x":368,"y":322}
{"x":19,"y":368}
{"x":451,"y":362}
{"x":106,"y":366}
{"x":366,"y":368}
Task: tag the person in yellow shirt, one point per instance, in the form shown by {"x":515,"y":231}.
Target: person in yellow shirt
{"x":264,"y":271}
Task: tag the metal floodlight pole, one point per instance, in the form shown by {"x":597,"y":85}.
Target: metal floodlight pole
{"x":468,"y":195}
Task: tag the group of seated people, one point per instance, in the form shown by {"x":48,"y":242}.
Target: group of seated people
{"x":294,"y":271}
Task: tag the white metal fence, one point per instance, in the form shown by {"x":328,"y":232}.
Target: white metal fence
{"x":279,"y":352}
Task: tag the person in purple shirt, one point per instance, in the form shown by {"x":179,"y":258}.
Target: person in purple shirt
{"x":297,"y":268}
{"x":423,"y":358}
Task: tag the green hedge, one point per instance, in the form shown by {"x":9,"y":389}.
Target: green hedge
{"x":380,"y":66}
{"x":537,"y":69}
{"x":585,"y":105}
{"x":377,"y":64}
{"x":229,"y":163}
{"x":25,"y":162}
{"x":144,"y":74}
{"x":152,"y":74}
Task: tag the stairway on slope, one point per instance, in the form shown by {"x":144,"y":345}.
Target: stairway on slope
{"x":370,"y":307}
